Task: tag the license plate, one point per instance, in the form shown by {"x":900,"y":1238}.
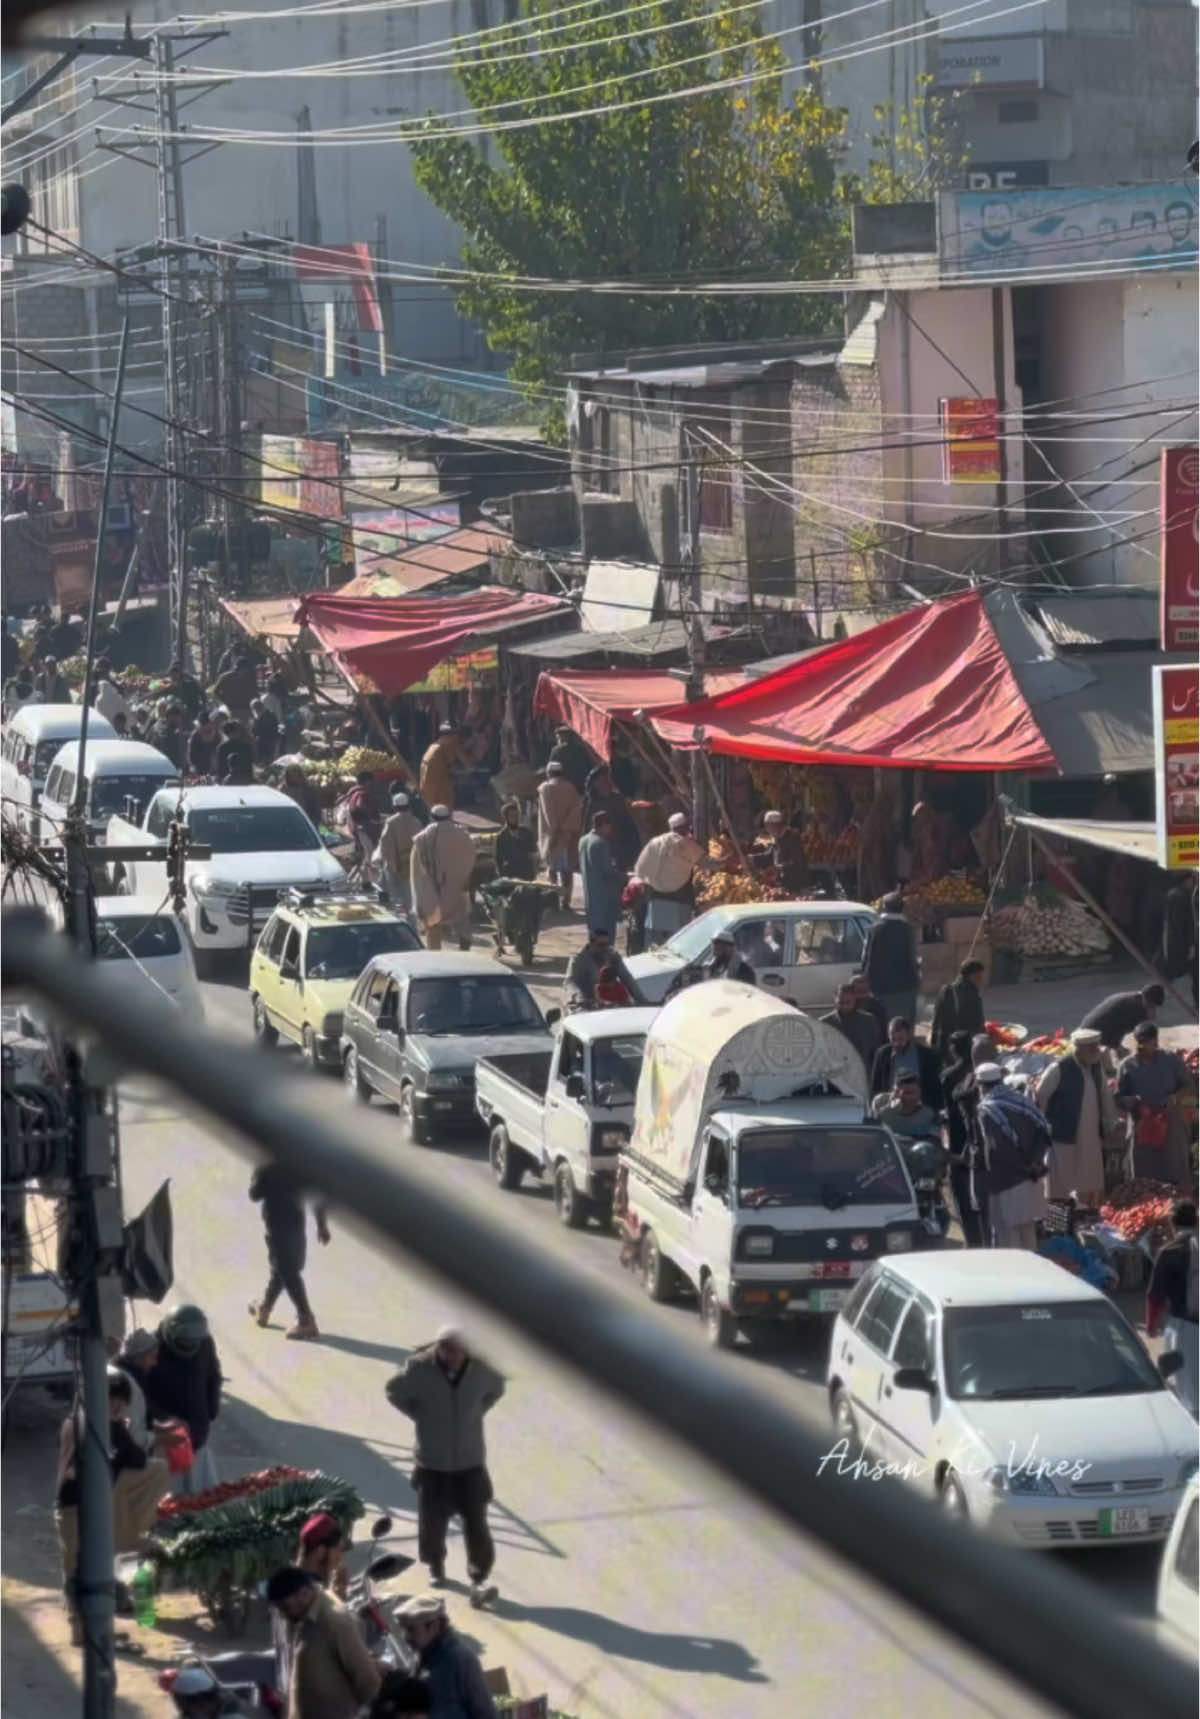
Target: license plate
{"x":1124,"y":1520}
{"x":826,"y":1300}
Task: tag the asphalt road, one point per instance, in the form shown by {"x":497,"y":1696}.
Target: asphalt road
{"x":633,"y":1580}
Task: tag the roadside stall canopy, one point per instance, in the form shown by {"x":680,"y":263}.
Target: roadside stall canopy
{"x":272,"y":619}
{"x":930,"y":689}
{"x":1133,"y":840}
{"x":386,"y":644}
{"x":591,"y":700}
{"x":461,"y":554}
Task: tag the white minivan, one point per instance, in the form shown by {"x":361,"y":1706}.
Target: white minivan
{"x":116,"y":771}
{"x":32,"y":739}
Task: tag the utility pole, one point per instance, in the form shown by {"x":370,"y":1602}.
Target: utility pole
{"x":95,"y":1232}
{"x":230,"y":416}
{"x":693,"y":614}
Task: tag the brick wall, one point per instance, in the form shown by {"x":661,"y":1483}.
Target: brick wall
{"x":837,"y":472}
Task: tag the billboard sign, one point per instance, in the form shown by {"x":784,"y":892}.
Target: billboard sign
{"x":1176,"y":692}
{"x":1008,"y":63}
{"x":971,"y":451}
{"x":1180,"y":548}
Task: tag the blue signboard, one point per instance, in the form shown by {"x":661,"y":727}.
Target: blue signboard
{"x":1060,"y":231}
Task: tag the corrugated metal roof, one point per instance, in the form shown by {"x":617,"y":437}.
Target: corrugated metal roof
{"x":719,"y":375}
{"x":1083,"y":620}
{"x":1137,"y":841}
{"x":660,"y":639}
{"x":459,"y":555}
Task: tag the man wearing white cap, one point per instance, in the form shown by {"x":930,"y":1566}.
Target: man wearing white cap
{"x":1015,"y":1138}
{"x":1081,"y":1114}
{"x":665,"y":865}
{"x":446,"y":1392}
{"x":395,"y":851}
{"x":452,"y":1673}
{"x":560,"y":825}
{"x":443,"y":858}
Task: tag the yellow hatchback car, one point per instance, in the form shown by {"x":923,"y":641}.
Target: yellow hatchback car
{"x":307,"y":963}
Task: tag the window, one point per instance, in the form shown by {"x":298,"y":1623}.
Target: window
{"x":66,"y":787}
{"x":271,"y":941}
{"x":825,"y":1167}
{"x":43,"y":757}
{"x":1187,"y":1552}
{"x":616,"y":1066}
{"x":716,"y":1166}
{"x":389,"y":1009}
{"x":1016,"y":112}
{"x":716,"y":499}
{"x":1056,"y":1349}
{"x":570,"y":1057}
{"x":827,"y":942}
{"x":882,"y":1315}
{"x":291,"y":948}
{"x":52,"y":781}
{"x":858,"y":1296}
{"x":471,"y":1006}
{"x":342,"y":951}
{"x":372,"y":988}
{"x":912,"y":1345}
{"x":159,"y":821}
{"x":762,"y":942}
{"x":253,"y":829}
{"x":140,"y":939}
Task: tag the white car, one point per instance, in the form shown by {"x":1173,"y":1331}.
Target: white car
{"x":800,"y":950}
{"x":1179,"y":1578}
{"x":1011,"y":1392}
{"x":146,"y":953}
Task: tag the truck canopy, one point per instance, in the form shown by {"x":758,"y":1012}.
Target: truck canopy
{"x":720,"y":1041}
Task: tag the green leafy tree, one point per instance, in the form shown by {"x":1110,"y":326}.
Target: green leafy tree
{"x":739,"y":181}
{"x":918,"y":150}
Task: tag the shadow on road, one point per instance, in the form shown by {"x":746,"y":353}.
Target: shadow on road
{"x":395,"y":1357}
{"x":310,"y":1445}
{"x":699,"y":1653}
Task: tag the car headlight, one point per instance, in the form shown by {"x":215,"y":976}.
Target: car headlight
{"x":215,"y":888}
{"x":1187,"y":1467}
{"x":760,"y":1246}
{"x":611,"y":1139}
{"x":331,"y":1026}
{"x":899,"y":1241}
{"x":1022,"y":1483}
{"x":446,"y":1080}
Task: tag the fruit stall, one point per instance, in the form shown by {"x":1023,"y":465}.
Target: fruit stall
{"x":223,"y":1543}
{"x":1043,"y":934}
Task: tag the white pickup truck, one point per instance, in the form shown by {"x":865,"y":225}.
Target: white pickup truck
{"x":566,"y":1113}
{"x":260,"y":844}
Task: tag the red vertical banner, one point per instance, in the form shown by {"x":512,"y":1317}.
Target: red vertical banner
{"x":1180,"y":548}
{"x":1176,"y":702}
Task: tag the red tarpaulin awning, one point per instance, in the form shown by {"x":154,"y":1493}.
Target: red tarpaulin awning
{"x":927,"y":690}
{"x":590,"y":701}
{"x":387,"y":643}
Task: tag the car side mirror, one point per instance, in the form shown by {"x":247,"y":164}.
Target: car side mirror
{"x":553,"y":1016}
{"x":1169,"y":1363}
{"x":574,"y":1086}
{"x":913,"y":1379}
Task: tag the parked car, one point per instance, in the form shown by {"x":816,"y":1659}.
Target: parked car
{"x":799,"y":950}
{"x":417,"y":1024}
{"x":567,"y":1113}
{"x":1015,"y":1395}
{"x":115,"y":771}
{"x":146,"y":953}
{"x":261,"y":844}
{"x":33,"y":736}
{"x":1179,"y":1577}
{"x":307,"y":962}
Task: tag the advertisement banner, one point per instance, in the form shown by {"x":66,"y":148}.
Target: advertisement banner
{"x":1180,"y":548}
{"x":1176,"y":692}
{"x":301,"y":475}
{"x":459,"y":674}
{"x":1010,"y":63}
{"x":971,"y":450}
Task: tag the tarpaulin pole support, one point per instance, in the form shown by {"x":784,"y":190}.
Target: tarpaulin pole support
{"x":721,"y":806}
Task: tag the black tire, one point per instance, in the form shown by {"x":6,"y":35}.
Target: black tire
{"x":265,"y":1034}
{"x":358,"y":1088}
{"x":658,"y":1274}
{"x":508,"y":1165}
{"x":205,"y":962}
{"x":720,"y":1327}
{"x":308,"y":1044}
{"x":571,"y":1206}
{"x":417,"y":1132}
{"x":952,"y":1498}
{"x":844,"y":1424}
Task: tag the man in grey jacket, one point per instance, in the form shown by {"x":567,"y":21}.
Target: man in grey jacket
{"x":446,"y":1391}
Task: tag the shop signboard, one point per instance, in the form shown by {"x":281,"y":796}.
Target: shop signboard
{"x":1180,"y":548}
{"x":1005,"y":63}
{"x":459,"y":674}
{"x":302,"y":475}
{"x":1176,"y":692}
{"x":971,"y":451}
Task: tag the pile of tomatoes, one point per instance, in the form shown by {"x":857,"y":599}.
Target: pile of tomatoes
{"x":1135,"y":1208}
{"x":172,"y":1509}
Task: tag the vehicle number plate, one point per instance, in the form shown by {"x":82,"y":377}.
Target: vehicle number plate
{"x":827,"y":1300}
{"x":1124,"y":1520}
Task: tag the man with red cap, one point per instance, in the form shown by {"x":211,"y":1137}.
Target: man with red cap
{"x":323,"y":1552}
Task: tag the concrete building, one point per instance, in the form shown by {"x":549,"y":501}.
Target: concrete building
{"x":1072,"y":92}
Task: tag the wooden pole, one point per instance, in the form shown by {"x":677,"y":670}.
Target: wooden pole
{"x":723,"y":809}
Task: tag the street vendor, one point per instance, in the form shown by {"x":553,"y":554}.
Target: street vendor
{"x":1119,"y":1014}
{"x":438,"y":766}
{"x":1153,"y":1087}
{"x":560,"y":823}
{"x":1075,"y":1099}
{"x":891,"y":963}
{"x":516,"y":845}
{"x":601,"y":876}
{"x":601,"y":794}
{"x":666,"y":866}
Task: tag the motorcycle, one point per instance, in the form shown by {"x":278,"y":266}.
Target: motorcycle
{"x":927,"y":1161}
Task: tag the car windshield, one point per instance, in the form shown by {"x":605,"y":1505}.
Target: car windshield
{"x":616,"y":1064}
{"x":252,"y":829}
{"x":1051,"y":1349}
{"x":691,"y":943}
{"x":470,"y":1005}
{"x":342,"y":951}
{"x":109,"y":793}
{"x":137,"y":938}
{"x":829,"y":1167}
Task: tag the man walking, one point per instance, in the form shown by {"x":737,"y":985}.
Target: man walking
{"x":959,"y":1007}
{"x":560,"y":820}
{"x":395,"y":851}
{"x":1015,"y":1138}
{"x":602,"y":878}
{"x":903,"y":1055}
{"x":438,"y":764}
{"x":516,"y":845}
{"x":443,"y":858}
{"x":1173,"y":1301}
{"x":850,"y":1021}
{"x":665,"y":865}
{"x":284,"y":1221}
{"x":446,"y":1392}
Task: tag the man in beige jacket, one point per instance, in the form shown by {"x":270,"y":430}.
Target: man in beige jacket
{"x":332,"y":1674}
{"x":560,"y":825}
{"x":443,"y":858}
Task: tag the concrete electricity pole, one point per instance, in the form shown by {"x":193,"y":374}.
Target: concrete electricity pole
{"x":693,"y":618}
